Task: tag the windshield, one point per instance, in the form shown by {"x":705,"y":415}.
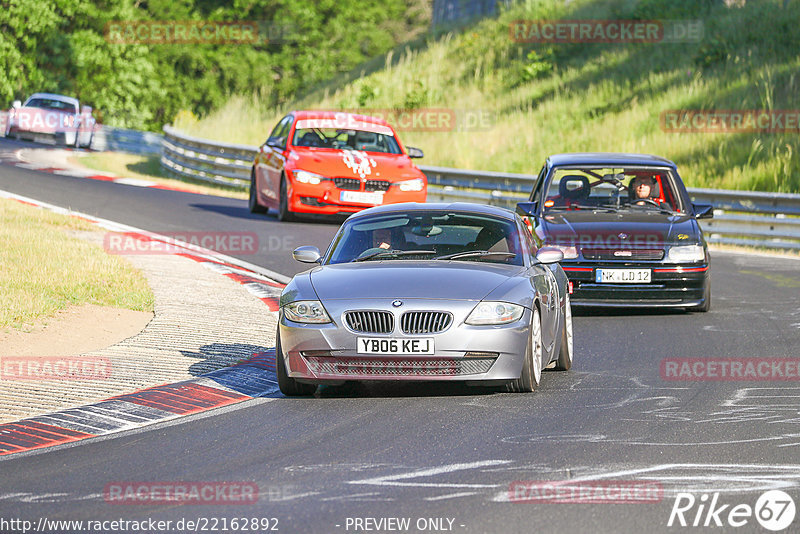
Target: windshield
{"x":636,"y":187}
{"x":437,"y":235}
{"x":49,"y":103}
{"x":368,"y":141}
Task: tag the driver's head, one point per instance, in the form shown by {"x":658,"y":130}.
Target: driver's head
{"x":642,"y":186}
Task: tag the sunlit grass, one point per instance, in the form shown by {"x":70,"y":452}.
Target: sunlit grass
{"x":43,"y":269}
{"x":597,"y":97}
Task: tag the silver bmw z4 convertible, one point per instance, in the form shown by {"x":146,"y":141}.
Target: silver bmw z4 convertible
{"x":425,"y":292}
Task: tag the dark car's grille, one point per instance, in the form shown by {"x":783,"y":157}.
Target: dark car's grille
{"x":377,"y":185}
{"x":425,"y":322}
{"x":370,"y":322}
{"x":622,"y":254}
{"x":351,"y":184}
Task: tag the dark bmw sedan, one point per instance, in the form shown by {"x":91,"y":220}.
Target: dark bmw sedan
{"x":627,"y":228}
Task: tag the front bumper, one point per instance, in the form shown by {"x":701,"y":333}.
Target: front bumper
{"x":670,"y":285}
{"x":325,"y":198}
{"x":327,"y":354}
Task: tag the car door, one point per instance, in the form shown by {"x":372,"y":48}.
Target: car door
{"x":270,"y":162}
{"x":544,"y":281}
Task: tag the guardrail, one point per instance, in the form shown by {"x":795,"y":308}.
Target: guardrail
{"x":740,"y":217}
{"x":125,"y":140}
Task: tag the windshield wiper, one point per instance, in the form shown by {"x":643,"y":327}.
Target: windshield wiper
{"x":661,"y":209}
{"x":393,"y":254}
{"x":474,"y":253}
{"x":603,"y":207}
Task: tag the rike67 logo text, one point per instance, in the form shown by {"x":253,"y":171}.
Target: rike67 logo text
{"x":774,"y":510}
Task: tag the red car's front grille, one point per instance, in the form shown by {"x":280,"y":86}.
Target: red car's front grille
{"x":350,"y":184}
{"x":398,"y":366}
{"x":377,"y":185}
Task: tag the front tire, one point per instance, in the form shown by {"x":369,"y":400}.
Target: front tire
{"x":252,"y":200}
{"x":706,"y":305}
{"x":531,"y":375}
{"x":564,"y":361}
{"x":284,"y":213}
{"x":288,"y":385}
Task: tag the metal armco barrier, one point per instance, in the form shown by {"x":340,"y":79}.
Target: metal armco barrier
{"x":740,"y":217}
{"x":125,"y":140}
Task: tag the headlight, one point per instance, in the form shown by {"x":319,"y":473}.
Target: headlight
{"x":495,"y":313}
{"x":686,"y":254}
{"x":412,"y":185}
{"x":306,"y":311}
{"x":570,"y":253}
{"x":305,"y":177}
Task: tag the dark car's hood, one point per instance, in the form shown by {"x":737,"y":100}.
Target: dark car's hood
{"x":354,"y":163}
{"x":410,"y":279}
{"x":624,"y":228}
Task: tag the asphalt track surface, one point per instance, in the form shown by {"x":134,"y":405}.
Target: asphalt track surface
{"x":446,"y":456}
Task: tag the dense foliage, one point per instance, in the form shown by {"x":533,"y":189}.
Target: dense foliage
{"x":61,"y":46}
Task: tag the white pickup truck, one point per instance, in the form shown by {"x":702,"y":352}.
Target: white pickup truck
{"x":50,"y":116}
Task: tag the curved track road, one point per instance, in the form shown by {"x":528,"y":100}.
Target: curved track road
{"x":442,"y":456}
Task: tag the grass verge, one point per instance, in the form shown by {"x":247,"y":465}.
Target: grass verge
{"x":43,"y":269}
{"x":148,"y":167}
{"x":542,"y":99}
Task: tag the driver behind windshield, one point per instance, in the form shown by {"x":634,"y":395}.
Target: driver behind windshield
{"x":642,"y":188}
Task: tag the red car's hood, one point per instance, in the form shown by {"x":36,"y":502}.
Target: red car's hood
{"x":355,"y":164}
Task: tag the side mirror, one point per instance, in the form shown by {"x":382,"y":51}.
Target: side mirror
{"x":17,"y":104}
{"x":86,"y":110}
{"x":307,"y":254}
{"x":527,"y":209}
{"x":549,"y":255}
{"x":703,"y":211}
{"x":414,"y":152}
{"x":275,"y":142}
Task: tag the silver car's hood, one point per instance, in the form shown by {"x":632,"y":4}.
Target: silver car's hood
{"x":410,"y":279}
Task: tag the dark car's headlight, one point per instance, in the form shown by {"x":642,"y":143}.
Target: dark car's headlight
{"x":306,"y":311}
{"x":494,"y":313}
{"x":686,"y":254}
